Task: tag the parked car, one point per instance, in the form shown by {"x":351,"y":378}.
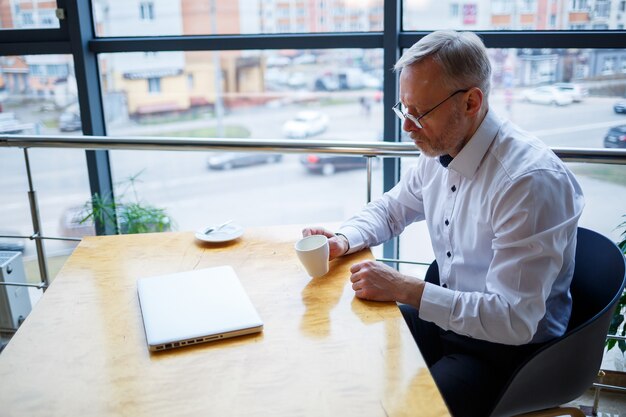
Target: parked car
{"x":71,"y":223}
{"x":326,"y":82}
{"x":229,"y":160}
{"x":577,"y":91}
{"x":11,"y":125}
{"x":616,"y":137}
{"x":305,"y":124}
{"x":329,"y":164}
{"x":11,"y":244}
{"x":547,"y":95}
{"x":620,"y":107}
{"x":69,"y":120}
{"x":304,"y":59}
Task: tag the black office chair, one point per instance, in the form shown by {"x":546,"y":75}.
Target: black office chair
{"x":565,"y":368}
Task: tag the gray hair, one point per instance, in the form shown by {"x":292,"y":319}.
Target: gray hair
{"x":462,"y":57}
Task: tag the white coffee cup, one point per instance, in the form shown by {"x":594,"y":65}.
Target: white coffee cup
{"x":313,"y":253}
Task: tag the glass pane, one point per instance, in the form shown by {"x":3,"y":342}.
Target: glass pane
{"x":514,"y":15}
{"x":314,"y":94}
{"x":203,"y":17}
{"x":35,"y":94}
{"x":28,"y":14}
{"x":566,"y":97}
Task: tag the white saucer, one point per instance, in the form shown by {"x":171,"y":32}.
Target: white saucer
{"x":229,"y":232}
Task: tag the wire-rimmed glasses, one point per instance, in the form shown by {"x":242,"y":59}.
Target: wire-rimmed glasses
{"x":402,"y":114}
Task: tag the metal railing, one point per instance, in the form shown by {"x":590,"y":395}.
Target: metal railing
{"x":366,"y":149}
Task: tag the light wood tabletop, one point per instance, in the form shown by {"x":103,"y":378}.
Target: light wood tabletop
{"x":82,"y":351}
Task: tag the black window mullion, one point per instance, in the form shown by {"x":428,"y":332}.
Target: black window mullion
{"x":81,"y":31}
{"x":391,"y":131}
{"x":364,"y":40}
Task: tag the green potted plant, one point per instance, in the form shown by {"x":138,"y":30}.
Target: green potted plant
{"x":617,"y":327}
{"x":134,"y":216}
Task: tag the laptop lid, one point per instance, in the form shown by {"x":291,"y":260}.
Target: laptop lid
{"x":196,"y":306}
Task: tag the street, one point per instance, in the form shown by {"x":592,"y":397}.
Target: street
{"x":280,"y":193}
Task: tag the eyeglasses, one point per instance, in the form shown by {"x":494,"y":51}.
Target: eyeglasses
{"x":400,"y":111}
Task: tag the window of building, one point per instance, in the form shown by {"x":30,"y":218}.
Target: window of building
{"x":146,"y":10}
{"x":27,"y":19}
{"x":579,"y":5}
{"x":47,"y":18}
{"x":529,"y":6}
{"x":154,"y":85}
{"x":454,"y":10}
{"x":608,"y":65}
{"x":603,"y":9}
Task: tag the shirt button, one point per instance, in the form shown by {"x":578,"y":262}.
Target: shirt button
{"x":453,"y":188}
{"x":448,"y":254}
{"x":447,"y":222}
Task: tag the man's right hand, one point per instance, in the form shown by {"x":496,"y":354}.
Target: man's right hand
{"x":338,"y":245}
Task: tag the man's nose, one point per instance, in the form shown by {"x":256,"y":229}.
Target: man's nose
{"x":408,"y":125}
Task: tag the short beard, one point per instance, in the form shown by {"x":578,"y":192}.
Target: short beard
{"x":445,"y":143}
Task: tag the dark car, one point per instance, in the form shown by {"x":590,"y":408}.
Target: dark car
{"x":616,"y":137}
{"x":620,"y":107}
{"x":11,"y":244}
{"x":229,"y":160}
{"x":329,"y":164}
{"x":70,"y":122}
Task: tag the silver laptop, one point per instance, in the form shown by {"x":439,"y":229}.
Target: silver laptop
{"x":197,"y":306}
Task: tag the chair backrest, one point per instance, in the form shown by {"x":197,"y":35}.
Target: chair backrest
{"x":565,"y":368}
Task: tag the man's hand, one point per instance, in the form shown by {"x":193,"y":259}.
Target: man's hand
{"x":338,"y":245}
{"x":378,"y":282}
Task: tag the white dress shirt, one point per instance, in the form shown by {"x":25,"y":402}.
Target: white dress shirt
{"x":502,"y":219}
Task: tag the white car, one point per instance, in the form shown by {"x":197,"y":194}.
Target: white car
{"x":578,"y":92}
{"x":547,"y":95}
{"x":305,"y":124}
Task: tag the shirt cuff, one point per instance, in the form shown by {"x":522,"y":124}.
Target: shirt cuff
{"x":436,"y":305}
{"x":355,"y":240}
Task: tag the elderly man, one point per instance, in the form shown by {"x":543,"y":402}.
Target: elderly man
{"x":502,"y":212}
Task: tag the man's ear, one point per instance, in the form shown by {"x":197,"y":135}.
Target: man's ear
{"x":474,"y":101}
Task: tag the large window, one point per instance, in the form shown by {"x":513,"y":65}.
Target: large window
{"x":193,"y":17}
{"x":512,"y":15}
{"x":38,"y":95}
{"x":306,"y":94}
{"x":567,"y":97}
{"x":28,"y":14}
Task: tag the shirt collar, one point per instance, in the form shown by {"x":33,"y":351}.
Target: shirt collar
{"x":467,"y":161}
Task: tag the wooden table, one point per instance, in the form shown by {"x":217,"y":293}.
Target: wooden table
{"x":323,"y":352}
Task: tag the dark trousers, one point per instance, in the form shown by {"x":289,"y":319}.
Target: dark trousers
{"x":469,"y":373}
